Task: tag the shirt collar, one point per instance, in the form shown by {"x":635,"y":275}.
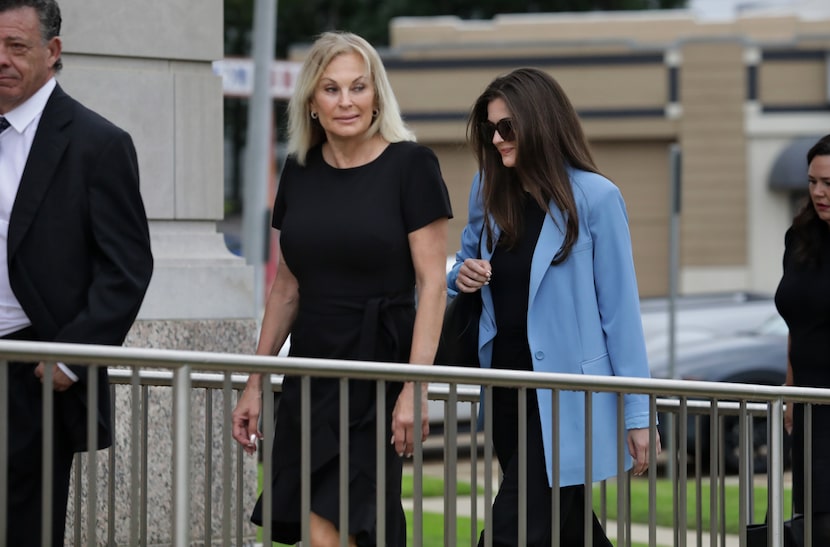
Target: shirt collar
{"x":31,"y":108}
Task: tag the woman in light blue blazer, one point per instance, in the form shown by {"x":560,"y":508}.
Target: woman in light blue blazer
{"x":559,"y":294}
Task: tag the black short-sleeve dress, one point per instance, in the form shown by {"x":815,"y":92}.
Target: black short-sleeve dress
{"x":344,"y":235}
{"x":803,"y":300}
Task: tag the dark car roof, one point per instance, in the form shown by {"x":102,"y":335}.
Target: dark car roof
{"x":740,"y":357}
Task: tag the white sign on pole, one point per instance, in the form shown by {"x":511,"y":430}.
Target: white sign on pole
{"x":238,"y":77}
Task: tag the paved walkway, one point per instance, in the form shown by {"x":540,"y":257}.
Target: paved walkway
{"x":463,"y":507}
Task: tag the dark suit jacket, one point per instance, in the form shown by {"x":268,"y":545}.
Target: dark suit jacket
{"x":78,"y":244}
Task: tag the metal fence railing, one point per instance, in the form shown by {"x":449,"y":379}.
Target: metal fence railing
{"x":210,"y":486}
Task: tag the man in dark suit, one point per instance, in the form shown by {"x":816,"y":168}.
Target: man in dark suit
{"x":77,"y":246}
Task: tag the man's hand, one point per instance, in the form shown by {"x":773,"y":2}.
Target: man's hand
{"x":60,"y":381}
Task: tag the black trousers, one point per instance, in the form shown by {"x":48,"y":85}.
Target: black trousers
{"x":24,"y":515}
{"x":505,"y":526}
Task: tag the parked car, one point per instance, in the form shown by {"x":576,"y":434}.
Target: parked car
{"x":702,"y":317}
{"x":756,"y":356}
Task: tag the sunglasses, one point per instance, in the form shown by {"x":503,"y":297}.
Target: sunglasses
{"x":504,"y":126}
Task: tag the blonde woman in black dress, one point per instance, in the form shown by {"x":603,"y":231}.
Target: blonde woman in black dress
{"x":362,"y":213}
{"x":803,"y":300}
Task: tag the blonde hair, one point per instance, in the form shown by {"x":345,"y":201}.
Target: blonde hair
{"x":303,"y":132}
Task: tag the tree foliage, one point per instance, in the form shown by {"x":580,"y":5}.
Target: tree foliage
{"x":298,"y":21}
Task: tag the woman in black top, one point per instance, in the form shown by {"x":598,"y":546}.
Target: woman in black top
{"x":362,"y":213}
{"x":803,"y":300}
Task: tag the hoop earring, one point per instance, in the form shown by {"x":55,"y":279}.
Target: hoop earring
{"x":375,"y":113}
{"x":313,"y":115}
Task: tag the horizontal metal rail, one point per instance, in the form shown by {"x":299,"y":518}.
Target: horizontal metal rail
{"x":223,"y":362}
{"x":187,"y":371}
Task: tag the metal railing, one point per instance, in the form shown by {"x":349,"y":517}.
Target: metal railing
{"x":220,"y":375}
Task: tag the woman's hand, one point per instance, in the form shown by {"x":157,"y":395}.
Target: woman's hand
{"x":245,"y":417}
{"x":403,"y":419}
{"x":473,"y":274}
{"x":638,"y":447}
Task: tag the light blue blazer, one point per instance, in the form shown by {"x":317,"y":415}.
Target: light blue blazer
{"x":583,"y":318}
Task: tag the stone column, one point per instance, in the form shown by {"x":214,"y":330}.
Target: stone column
{"x":146,"y":66}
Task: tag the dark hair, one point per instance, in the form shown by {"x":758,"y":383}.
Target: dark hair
{"x":549,"y":138}
{"x":808,"y":229}
{"x":49,"y":14}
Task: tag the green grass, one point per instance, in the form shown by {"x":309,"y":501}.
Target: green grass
{"x":433,"y":523}
{"x":433,"y":487}
{"x":432,"y":534}
{"x":665,"y":504}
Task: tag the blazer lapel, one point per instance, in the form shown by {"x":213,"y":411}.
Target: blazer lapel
{"x":550,"y":241}
{"x":40,"y":172}
{"x":487,"y":323}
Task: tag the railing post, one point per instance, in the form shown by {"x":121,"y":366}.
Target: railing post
{"x":588,"y":508}
{"x":227,"y":463}
{"x":181,"y":456}
{"x":622,"y":435}
{"x":381,"y":431}
{"x":681,"y":470}
{"x":135,"y":455}
{"x":556,"y":515}
{"x":91,"y":454}
{"x":343,"y":488}
{"x":488,"y":466}
{"x":305,"y":457}
{"x":775,"y":505}
{"x":808,"y":473}
{"x":47,"y":453}
{"x":268,"y":420}
{"x":450,"y":465}
{"x":418,"y":476}
{"x":652,"y":469}
{"x":111,"y":474}
{"x":4,"y":446}
{"x":714,"y":471}
{"x":744,"y":477}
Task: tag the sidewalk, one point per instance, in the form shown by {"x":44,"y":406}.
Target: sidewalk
{"x":664,"y":537}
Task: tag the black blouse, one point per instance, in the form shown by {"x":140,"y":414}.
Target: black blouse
{"x":510,"y":287}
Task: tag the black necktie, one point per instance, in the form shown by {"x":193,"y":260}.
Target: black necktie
{"x":4,"y":124}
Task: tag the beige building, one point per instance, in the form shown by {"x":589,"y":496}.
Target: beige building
{"x":734,"y":96}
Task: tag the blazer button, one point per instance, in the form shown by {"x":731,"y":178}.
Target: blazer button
{"x":540,"y":355}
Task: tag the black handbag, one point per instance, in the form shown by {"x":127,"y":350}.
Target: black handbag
{"x":756,"y":534}
{"x":458,"y":344}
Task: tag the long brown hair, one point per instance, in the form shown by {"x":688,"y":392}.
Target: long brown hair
{"x":549,"y":138}
{"x":808,"y":229}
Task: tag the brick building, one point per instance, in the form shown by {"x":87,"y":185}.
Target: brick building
{"x":742,"y":98}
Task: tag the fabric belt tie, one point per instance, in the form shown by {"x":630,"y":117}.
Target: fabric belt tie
{"x":376,"y":319}
{"x":373,"y":312}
